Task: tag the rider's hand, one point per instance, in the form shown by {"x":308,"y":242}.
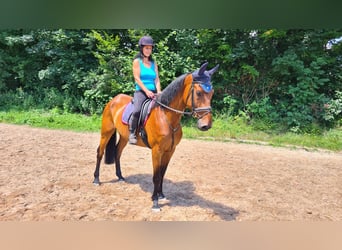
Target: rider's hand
{"x":149,"y":94}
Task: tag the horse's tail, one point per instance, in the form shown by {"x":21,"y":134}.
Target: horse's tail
{"x":111,"y":150}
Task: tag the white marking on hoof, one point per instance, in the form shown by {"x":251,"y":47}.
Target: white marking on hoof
{"x":156,"y":209}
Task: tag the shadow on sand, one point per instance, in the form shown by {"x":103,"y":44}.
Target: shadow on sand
{"x":183,"y":194}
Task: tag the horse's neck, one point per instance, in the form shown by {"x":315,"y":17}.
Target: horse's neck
{"x":178,"y":103}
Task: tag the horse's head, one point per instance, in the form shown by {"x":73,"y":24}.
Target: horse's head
{"x":200,"y":95}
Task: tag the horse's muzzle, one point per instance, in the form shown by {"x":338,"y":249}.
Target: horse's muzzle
{"x":204,"y":124}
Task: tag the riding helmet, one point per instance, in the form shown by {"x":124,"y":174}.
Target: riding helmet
{"x":146,"y":40}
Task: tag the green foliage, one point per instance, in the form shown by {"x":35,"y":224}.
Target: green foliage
{"x":262,"y":115}
{"x":272,"y":78}
{"x":302,"y":87}
{"x":333,"y":110}
{"x":229,"y":105}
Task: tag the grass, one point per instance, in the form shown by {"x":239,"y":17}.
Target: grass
{"x":54,"y":119}
{"x":238,"y":130}
{"x":223,"y":129}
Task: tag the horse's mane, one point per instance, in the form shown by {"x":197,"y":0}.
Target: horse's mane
{"x":169,"y":93}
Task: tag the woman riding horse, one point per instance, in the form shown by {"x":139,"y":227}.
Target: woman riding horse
{"x":164,"y":132}
{"x":145,"y":72}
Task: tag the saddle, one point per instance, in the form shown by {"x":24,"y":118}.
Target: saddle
{"x":146,"y":108}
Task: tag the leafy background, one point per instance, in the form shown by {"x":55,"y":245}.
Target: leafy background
{"x":280,"y":78}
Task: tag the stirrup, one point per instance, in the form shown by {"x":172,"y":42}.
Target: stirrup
{"x":132,"y":139}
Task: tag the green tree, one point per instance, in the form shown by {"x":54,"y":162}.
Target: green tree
{"x":277,"y":76}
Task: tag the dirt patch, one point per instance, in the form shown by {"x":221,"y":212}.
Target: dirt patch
{"x":46,"y":175}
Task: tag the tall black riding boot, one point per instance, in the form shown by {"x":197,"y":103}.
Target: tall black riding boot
{"x":132,"y":126}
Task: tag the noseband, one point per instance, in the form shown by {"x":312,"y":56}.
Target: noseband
{"x":195,"y":112}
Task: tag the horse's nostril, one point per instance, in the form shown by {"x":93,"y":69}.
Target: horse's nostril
{"x":204,"y":128}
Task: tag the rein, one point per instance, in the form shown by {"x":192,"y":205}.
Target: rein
{"x":194,"y":111}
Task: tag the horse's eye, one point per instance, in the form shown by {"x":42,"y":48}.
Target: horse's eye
{"x":198,"y":93}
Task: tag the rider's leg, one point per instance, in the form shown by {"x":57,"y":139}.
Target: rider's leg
{"x":138,"y":99}
{"x":132,"y":126}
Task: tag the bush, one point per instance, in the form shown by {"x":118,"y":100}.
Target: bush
{"x":333,"y":110}
{"x":53,"y":98}
{"x":262,"y":110}
{"x":17,"y":98}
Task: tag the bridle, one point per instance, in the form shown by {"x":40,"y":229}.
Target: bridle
{"x":196,"y":112}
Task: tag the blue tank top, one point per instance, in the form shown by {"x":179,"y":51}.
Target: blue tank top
{"x":147,"y":76}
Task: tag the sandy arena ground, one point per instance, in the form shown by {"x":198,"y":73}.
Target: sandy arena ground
{"x":46,"y":175}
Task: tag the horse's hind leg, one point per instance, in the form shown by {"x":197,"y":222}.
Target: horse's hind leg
{"x":97,"y":168}
{"x":119,"y":148}
{"x":105,"y":137}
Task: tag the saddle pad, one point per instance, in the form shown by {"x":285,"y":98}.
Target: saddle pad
{"x":127,"y":113}
{"x":144,"y":113}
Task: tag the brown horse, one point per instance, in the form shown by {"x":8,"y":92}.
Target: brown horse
{"x":193,"y":91}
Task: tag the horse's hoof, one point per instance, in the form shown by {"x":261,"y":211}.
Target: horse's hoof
{"x":161,"y":197}
{"x":156,"y":209}
{"x":96,"y":182}
{"x":121,"y":179}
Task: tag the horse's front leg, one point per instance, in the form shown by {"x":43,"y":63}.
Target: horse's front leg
{"x":165,"y":159}
{"x":160,"y":162}
{"x":157,"y":177}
